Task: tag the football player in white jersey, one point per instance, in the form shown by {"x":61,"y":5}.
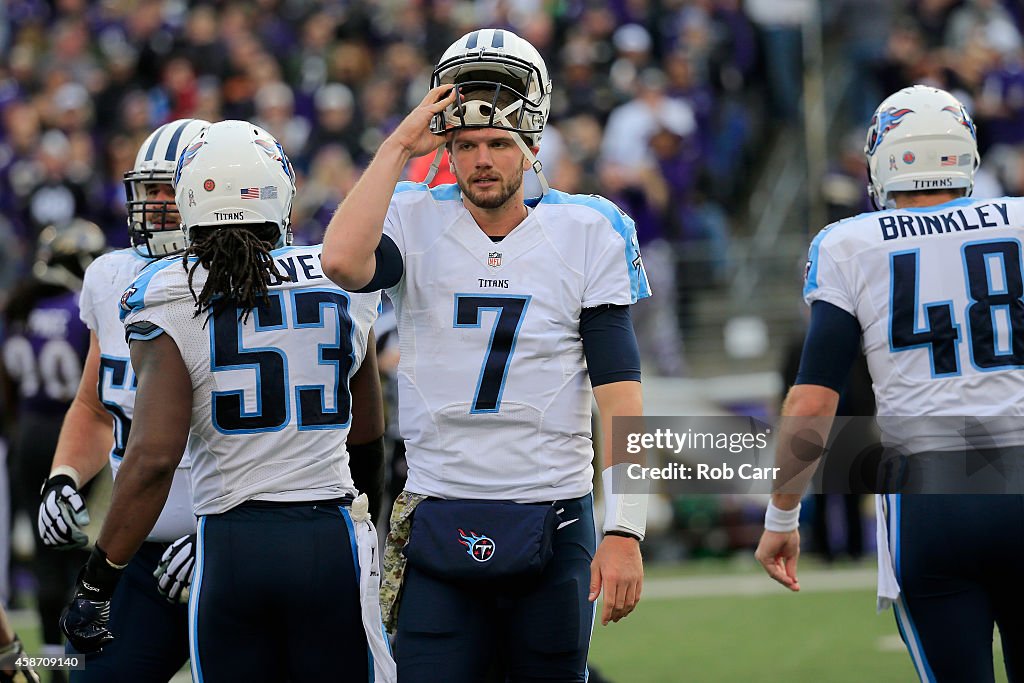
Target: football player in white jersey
{"x":155,"y":642}
{"x":931,"y":288}
{"x":245,"y":349}
{"x":509,"y":311}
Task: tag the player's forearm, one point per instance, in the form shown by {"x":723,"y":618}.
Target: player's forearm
{"x":807,"y":414}
{"x":617,"y":399}
{"x":355,"y":229}
{"x":163,"y":410}
{"x":367,"y":398}
{"x":140,"y":492}
{"x":86,"y":438}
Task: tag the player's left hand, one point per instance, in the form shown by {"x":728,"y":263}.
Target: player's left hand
{"x":86,"y":621}
{"x":618,"y":568}
{"x":778,"y":553}
{"x":174,"y":573}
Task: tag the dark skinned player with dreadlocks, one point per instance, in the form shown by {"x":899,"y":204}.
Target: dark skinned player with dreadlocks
{"x":269,"y":368}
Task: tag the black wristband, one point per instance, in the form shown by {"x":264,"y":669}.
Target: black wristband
{"x":366,"y":462}
{"x":624,"y":534}
{"x":55,"y":481}
{"x":98,"y":578}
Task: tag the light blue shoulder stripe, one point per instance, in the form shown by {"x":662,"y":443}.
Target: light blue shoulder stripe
{"x":811,"y":279}
{"x":441,"y":193}
{"x":134,"y":298}
{"x":622,"y":224}
{"x":131,"y":251}
{"x":281,"y":251}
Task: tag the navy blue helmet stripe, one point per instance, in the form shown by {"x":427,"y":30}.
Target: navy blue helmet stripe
{"x":172,"y":146}
{"x":498,"y":40}
{"x":471,"y":41}
{"x":152,"y":146}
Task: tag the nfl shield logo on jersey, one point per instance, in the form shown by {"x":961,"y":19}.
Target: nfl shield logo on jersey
{"x":480,"y":548}
{"x":494,"y":259}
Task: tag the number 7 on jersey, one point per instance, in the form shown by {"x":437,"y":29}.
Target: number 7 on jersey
{"x":510,"y":310}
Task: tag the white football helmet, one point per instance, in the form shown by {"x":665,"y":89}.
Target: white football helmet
{"x":920,"y":138}
{"x":234,"y":173}
{"x":514,"y":80}
{"x":153,"y":225}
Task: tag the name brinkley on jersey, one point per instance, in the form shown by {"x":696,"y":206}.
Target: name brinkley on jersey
{"x":896,"y":225}
{"x":945,"y":275}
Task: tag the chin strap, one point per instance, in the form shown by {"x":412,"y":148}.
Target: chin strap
{"x":434,"y":165}
{"x":500,"y":116}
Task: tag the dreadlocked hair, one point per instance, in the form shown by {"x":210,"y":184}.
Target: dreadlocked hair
{"x":239,"y":264}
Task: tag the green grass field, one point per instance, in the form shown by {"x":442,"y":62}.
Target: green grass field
{"x":761,"y":633}
{"x":833,"y":637}
{"x":710,"y":623}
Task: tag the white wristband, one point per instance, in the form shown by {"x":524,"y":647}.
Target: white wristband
{"x":623,"y":511}
{"x":781,"y":521}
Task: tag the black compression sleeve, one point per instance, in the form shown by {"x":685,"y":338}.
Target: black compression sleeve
{"x":830,"y":347}
{"x":366,"y":461}
{"x":390,"y":267}
{"x":609,"y":344}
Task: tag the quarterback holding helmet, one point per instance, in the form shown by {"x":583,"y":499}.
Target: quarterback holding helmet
{"x":512,"y":315}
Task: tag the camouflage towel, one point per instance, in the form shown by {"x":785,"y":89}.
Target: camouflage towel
{"x":394,"y":560}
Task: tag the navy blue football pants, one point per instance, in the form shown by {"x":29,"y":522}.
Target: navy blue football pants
{"x":960,"y":563}
{"x":275,"y":596}
{"x":535,"y":630}
{"x":150,"y":633}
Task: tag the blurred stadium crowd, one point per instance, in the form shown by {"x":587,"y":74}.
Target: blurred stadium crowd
{"x":665,"y":106}
{"x":668,"y":107}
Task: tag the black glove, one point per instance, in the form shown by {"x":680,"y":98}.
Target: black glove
{"x":85,"y":621}
{"x":366,"y":461}
{"x":10,"y":671}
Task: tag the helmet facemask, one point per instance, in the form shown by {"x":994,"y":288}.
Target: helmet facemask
{"x":501,"y":82}
{"x":524,"y":115}
{"x":154,"y":224}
